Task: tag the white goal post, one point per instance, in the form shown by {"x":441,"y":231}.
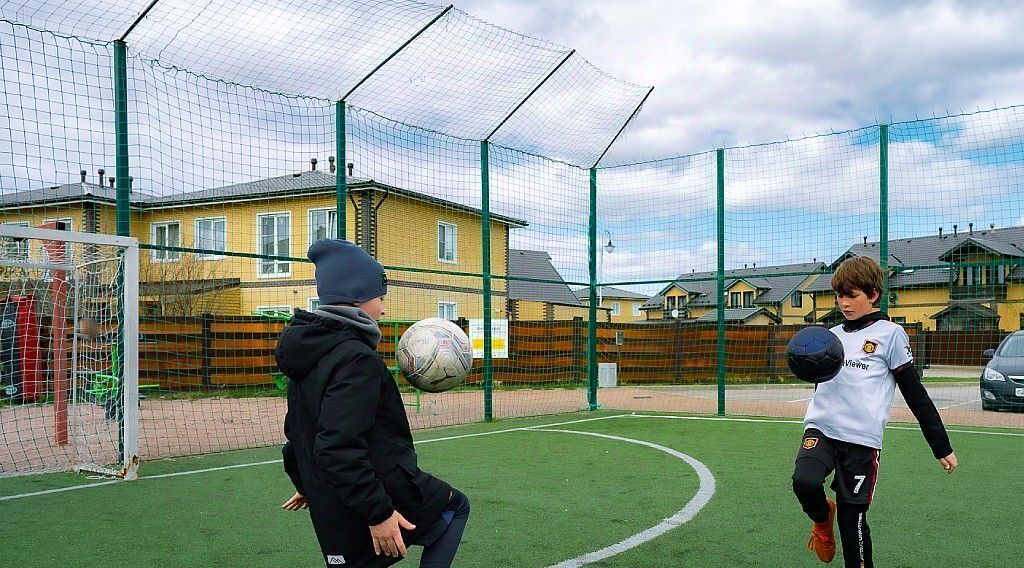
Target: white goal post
{"x":69,"y":340}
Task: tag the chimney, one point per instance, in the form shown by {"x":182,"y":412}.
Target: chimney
{"x":101,"y":172}
{"x":351,"y":168}
{"x":83,"y":174}
{"x":755,"y":265}
{"x":991,"y":226}
{"x":940,"y":232}
{"x":330,"y":159}
{"x":954,"y":230}
{"x":970,"y":228}
{"x":111,"y":180}
{"x":312,"y":164}
{"x":865,"y":237}
{"x":744,"y":265}
{"x":130,"y":181}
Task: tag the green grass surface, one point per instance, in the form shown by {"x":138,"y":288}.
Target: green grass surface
{"x":539,"y":498}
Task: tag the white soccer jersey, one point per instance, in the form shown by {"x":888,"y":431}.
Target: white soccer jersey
{"x":854,"y":406}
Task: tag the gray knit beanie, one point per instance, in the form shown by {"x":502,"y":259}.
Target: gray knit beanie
{"x":345,"y":273}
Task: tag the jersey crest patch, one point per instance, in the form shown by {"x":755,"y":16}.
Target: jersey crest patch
{"x":870,"y":346}
{"x":810,"y":443}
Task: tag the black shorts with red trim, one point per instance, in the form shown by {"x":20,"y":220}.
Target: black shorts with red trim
{"x":856,"y":466}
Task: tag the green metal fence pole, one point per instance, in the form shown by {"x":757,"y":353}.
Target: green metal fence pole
{"x":121,"y":200}
{"x":485,"y":226}
{"x":121,"y":138}
{"x":720,"y":300}
{"x":341,"y":178}
{"x":883,"y":212}
{"x":592,"y":317}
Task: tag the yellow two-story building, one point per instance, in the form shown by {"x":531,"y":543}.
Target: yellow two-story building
{"x":237,"y":249}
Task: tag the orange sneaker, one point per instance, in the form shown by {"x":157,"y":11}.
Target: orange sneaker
{"x":823,"y":538}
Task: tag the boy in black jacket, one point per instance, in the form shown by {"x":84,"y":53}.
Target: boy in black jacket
{"x":350,"y":451}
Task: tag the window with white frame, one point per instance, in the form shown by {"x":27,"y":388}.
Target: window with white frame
{"x":211,"y":235}
{"x":797,"y":299}
{"x":323,"y":224}
{"x":274,"y":240}
{"x":314,"y":304}
{"x":636,"y":309}
{"x":448,"y":310}
{"x":735,"y":299}
{"x":16,"y":249}
{"x":616,"y":308}
{"x":447,"y":237}
{"x":165,"y":235}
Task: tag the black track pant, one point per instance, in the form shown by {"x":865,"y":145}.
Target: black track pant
{"x":441,"y":552}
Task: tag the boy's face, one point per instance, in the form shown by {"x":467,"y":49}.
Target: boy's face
{"x":373,"y":308}
{"x":857,"y":304}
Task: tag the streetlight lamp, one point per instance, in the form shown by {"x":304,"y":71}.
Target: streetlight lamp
{"x":600,"y":272}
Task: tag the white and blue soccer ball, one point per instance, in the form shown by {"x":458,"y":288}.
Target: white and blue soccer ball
{"x":434,"y":355}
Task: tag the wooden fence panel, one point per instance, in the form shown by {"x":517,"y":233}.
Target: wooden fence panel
{"x":220,"y":351}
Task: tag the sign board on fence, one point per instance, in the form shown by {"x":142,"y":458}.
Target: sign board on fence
{"x":499,"y":338}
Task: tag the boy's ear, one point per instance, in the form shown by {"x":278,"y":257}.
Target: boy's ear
{"x":875,"y":296}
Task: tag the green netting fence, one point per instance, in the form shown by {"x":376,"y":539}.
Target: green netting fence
{"x":470,"y":160}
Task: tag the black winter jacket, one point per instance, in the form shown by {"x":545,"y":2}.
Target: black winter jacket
{"x":349,"y":448}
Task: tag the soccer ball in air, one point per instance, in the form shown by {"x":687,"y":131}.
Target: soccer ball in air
{"x":815,"y":354}
{"x":434,"y":355}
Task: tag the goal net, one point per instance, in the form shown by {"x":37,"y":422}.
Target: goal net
{"x":68,"y":351}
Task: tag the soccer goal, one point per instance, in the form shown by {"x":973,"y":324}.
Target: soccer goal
{"x":68,"y":351}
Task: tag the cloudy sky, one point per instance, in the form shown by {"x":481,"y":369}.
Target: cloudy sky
{"x":726,"y":74}
{"x":745,"y":71}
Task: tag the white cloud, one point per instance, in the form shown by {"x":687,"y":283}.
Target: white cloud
{"x":743,"y":71}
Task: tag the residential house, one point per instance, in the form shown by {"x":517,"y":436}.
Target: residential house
{"x":770,"y":294}
{"x":545,"y":295}
{"x":434,"y":240}
{"x":969,"y":280}
{"x":622,"y":306}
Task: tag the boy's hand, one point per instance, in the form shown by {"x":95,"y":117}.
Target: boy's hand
{"x":298,"y":501}
{"x":387,"y":536}
{"x":948,"y":463}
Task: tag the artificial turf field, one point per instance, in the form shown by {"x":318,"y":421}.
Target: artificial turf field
{"x":542,"y":497}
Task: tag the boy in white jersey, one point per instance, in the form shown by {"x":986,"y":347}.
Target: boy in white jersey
{"x":844,"y":422}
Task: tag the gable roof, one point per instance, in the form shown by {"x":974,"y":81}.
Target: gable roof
{"x":536,"y":264}
{"x":300,"y":183}
{"x":609,"y":292}
{"x":929,"y":251}
{"x":741,"y":315}
{"x":987,"y":245}
{"x":972,"y":309}
{"x":69,"y":192}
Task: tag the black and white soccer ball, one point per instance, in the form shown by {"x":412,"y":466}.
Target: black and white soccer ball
{"x":434,"y":355}
{"x":815,"y":354}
